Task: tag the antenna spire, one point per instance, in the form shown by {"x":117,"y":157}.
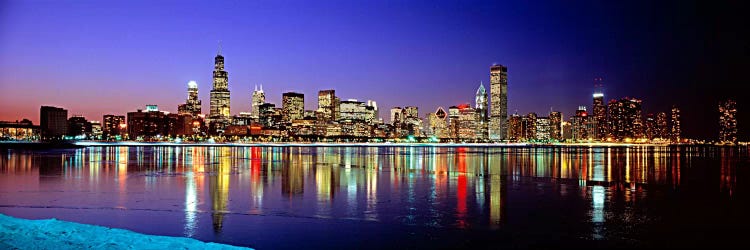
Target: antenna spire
{"x":219,"y":51}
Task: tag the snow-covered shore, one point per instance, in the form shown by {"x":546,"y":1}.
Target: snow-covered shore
{"x":18,"y":233}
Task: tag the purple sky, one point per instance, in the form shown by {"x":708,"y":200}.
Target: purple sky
{"x":100,"y":57}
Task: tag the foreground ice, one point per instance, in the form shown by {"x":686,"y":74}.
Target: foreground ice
{"x":18,"y":233}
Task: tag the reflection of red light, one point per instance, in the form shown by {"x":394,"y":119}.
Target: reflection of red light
{"x":463,"y":106}
{"x":461,"y":192}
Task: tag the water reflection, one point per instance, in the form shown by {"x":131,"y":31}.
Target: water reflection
{"x":460,"y":187}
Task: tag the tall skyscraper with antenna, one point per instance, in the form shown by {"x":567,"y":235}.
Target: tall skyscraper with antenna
{"x":599,"y":110}
{"x":219,"y":113}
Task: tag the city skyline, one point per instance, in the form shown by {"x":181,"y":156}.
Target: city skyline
{"x":541,"y":75}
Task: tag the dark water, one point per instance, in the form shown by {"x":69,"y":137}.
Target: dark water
{"x":392,"y":197}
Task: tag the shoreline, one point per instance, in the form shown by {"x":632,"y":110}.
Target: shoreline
{"x":82,"y":144}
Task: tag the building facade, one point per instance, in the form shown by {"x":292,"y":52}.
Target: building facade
{"x":293,"y":106}
{"x":114,"y":127}
{"x":192,"y":105}
{"x":728,"y":121}
{"x":53,"y":122}
{"x":480,"y":105}
{"x":555,"y":120}
{"x":599,"y":110}
{"x":259,"y":98}
{"x":676,"y":126}
{"x":625,"y":119}
{"x":219,"y":115}
{"x":327,"y":106}
{"x":498,"y":102}
{"x":515,"y":127}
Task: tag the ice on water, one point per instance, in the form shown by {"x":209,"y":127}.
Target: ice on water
{"x":18,"y":233}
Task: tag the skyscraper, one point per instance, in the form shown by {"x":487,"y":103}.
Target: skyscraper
{"x":454,"y":113}
{"x":651,"y":129}
{"x":661,"y":126}
{"x":480,"y":105}
{"x":676,"y":129}
{"x":625,"y":118}
{"x":555,"y":120}
{"x":411,"y":112}
{"x":219,"y":112}
{"x":528,"y":126}
{"x":515,"y":127}
{"x":293,"y":106}
{"x":498,"y":102}
{"x":192,"y":105}
{"x":543,"y":128}
{"x":599,"y":110}
{"x":259,"y":97}
{"x":437,"y":123}
{"x":396,"y":113}
{"x":327,"y":104}
{"x":53,"y":122}
{"x":579,"y":124}
{"x":728,"y":121}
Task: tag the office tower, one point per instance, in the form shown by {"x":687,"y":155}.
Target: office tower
{"x":259,"y":97}
{"x":515,"y":127}
{"x":192,"y":105}
{"x":437,"y":123}
{"x":293,"y":106}
{"x":396,"y":113}
{"x":114,"y":126}
{"x":651,"y":129}
{"x":327,"y":105}
{"x":96,"y":130}
{"x":267,"y":115}
{"x":498,"y":102}
{"x":555,"y":120}
{"x":480,"y":105}
{"x":625,"y":118}
{"x":411,"y":112}
{"x":147,"y":124}
{"x":599,"y":110}
{"x":661,"y":126}
{"x":220,"y":104}
{"x":354,"y":110}
{"x":372,"y":107}
{"x":78,"y":127}
{"x":567,"y":131}
{"x":467,"y":122}
{"x":53,"y":122}
{"x":543,"y":128}
{"x":528,"y":124}
{"x":727,"y":121}
{"x":453,"y":121}
{"x":579,"y":124}
{"x":676,"y":127}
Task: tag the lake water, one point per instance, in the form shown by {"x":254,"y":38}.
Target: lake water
{"x":392,"y":197}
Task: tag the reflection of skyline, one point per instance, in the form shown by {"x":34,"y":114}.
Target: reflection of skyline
{"x":461,"y":187}
{"x":218,"y":184}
